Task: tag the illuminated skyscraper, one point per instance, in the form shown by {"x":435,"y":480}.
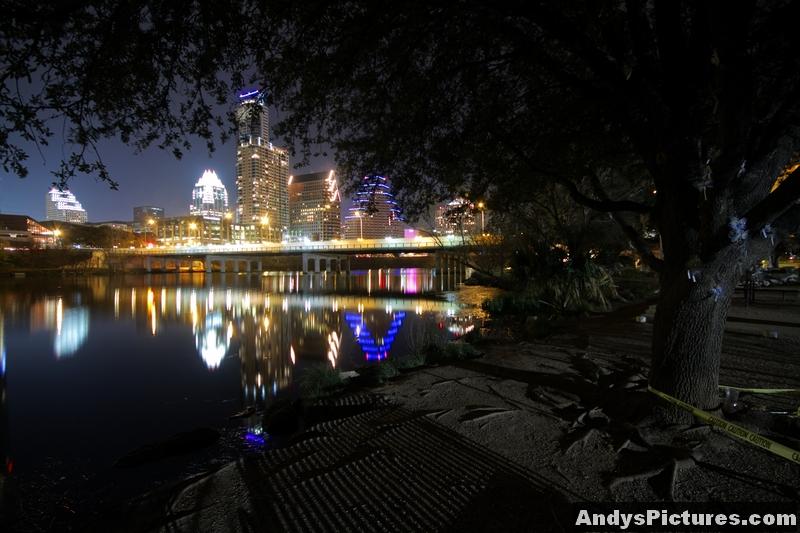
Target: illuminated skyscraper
{"x":262,"y":170}
{"x":374,"y":213}
{"x":64,"y":207}
{"x":209,"y":197}
{"x":314,"y":206}
{"x":457,"y":217}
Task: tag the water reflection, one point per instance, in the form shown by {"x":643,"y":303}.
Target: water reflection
{"x":275,"y":325}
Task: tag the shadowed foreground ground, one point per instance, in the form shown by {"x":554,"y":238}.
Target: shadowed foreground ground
{"x":386,"y":469}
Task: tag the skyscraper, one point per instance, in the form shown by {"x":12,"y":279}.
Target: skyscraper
{"x":209,"y":197}
{"x":262,"y":170}
{"x":374,"y":213}
{"x":457,"y":217}
{"x":142,"y":215}
{"x":314,"y":206}
{"x":63,"y":207}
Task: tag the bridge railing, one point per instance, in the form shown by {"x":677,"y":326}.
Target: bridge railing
{"x":417,"y":243}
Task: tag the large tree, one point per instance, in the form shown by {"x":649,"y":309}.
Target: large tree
{"x":696,"y":102}
{"x":693,"y":103}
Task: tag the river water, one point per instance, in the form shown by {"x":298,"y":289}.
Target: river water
{"x":94,"y":367}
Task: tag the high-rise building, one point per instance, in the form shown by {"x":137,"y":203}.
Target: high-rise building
{"x":63,"y":207}
{"x":262,"y":170}
{"x":315,"y":206}
{"x":209,"y":197}
{"x":374,"y":213}
{"x":457,"y":217}
{"x":142,"y":216}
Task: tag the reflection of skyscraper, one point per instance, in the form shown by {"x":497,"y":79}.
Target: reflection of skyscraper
{"x":209,"y":197}
{"x":375,"y":338}
{"x":213,"y":340}
{"x":262,"y":170}
{"x":374,"y":213}
{"x":7,"y":464}
{"x":72,"y":328}
{"x":314,"y":206}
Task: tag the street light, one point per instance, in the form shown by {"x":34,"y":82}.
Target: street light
{"x":150,"y":222}
{"x":483,"y":229}
{"x":57,"y":234}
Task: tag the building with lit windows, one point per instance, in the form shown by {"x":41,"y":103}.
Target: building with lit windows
{"x":142,"y":215}
{"x":209,"y":197}
{"x":20,"y":231}
{"x":457,"y":217}
{"x":195,"y":230}
{"x":374,"y":213}
{"x":315,"y":206}
{"x":62,"y":206}
{"x":262,"y":170}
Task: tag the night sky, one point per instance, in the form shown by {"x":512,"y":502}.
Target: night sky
{"x":153,"y":177}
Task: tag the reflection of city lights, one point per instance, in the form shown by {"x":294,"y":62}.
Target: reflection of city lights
{"x":212,"y":341}
{"x":178,"y":301}
{"x":59,"y":315}
{"x":151,"y":310}
{"x":266,"y":323}
{"x":374,"y":350}
{"x":116,"y":303}
{"x":228,"y":299}
{"x":2,"y":348}
{"x":193,"y":309}
{"x":133,"y":302}
{"x":72,"y":333}
{"x":285,"y":305}
{"x":163,"y":299}
{"x":291,"y":353}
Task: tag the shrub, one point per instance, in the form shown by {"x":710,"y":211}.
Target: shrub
{"x":318,"y":380}
{"x":452,"y":351}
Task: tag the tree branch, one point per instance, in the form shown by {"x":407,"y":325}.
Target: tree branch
{"x":775,"y":203}
{"x":605,"y":205}
{"x":635,"y":237}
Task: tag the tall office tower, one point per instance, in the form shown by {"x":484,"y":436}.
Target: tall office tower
{"x":315,"y":206}
{"x":142,"y":215}
{"x":262,"y":170}
{"x":64,"y":207}
{"x":209,"y":197}
{"x":374,"y":213}
{"x":457,"y":217}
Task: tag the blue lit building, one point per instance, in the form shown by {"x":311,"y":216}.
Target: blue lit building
{"x":374,"y":213}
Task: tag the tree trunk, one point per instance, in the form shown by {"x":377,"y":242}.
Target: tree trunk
{"x":687,"y":334}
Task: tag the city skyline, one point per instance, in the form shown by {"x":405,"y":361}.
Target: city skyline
{"x":152,"y":177}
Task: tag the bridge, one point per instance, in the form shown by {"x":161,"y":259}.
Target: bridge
{"x":317,"y":256}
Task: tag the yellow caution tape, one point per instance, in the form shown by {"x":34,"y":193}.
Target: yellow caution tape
{"x":762,"y":391}
{"x":732,"y":429}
